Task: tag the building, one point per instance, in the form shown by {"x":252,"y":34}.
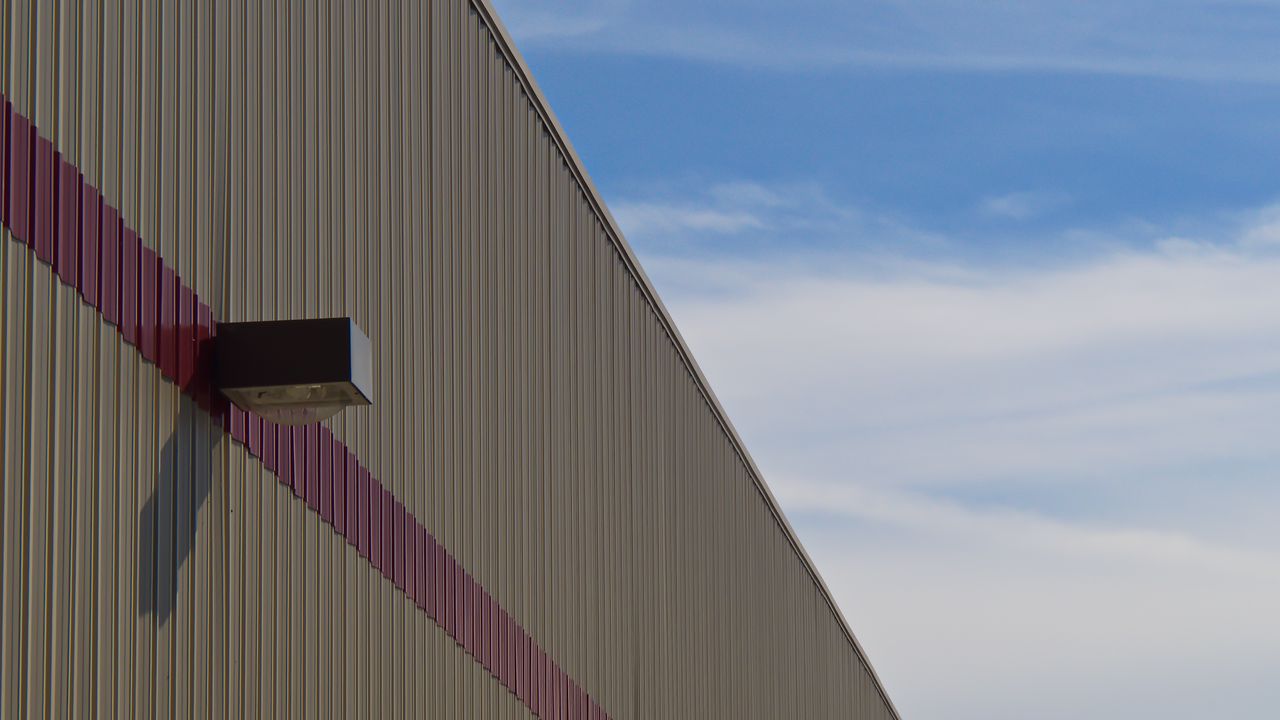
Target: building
{"x":545,"y":511}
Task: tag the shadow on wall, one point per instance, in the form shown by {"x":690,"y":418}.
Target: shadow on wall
{"x":167,"y":523}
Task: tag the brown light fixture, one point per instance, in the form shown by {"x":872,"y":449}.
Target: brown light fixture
{"x":294,"y":372}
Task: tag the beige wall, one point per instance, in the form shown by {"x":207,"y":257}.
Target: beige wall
{"x":534,"y":408}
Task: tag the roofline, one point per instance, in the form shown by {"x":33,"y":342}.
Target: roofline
{"x":508,"y":47}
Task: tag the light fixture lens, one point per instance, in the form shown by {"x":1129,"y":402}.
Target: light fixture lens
{"x":296,"y":404}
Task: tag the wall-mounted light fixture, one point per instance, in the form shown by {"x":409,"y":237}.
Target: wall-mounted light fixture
{"x":294,"y":372}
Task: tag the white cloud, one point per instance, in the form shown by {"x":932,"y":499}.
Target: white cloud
{"x":1265,"y":230}
{"x":562,"y":20}
{"x":643,"y":218}
{"x":1037,"y":491}
{"x":1022,"y":205}
{"x":686,"y":217}
{"x":988,"y":628}
{"x":1088,"y":546}
{"x":1112,"y":365}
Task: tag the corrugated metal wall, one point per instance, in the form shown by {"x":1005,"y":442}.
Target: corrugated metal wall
{"x":534,"y":410}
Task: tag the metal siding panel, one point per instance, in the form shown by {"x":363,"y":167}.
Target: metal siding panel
{"x":90,"y":243}
{"x":540,"y":701}
{"x":297,"y":460}
{"x":503,"y":647}
{"x":20,"y":167}
{"x":68,"y":213}
{"x":339,"y":511}
{"x":167,"y":327}
{"x":363,"y":515}
{"x":311,"y":460}
{"x":324,"y":452}
{"x":435,"y":579}
{"x":448,"y":588}
{"x":524,"y":687}
{"x":482,"y":629}
{"x":470,"y":598}
{"x":463,"y":608}
{"x":42,"y":200}
{"x":400,"y":569}
{"x":423,"y":569}
{"x":253,"y":435}
{"x":129,"y":289}
{"x":352,"y":523}
{"x":387,"y":564}
{"x":5,"y":121}
{"x":204,"y":329}
{"x":404,"y":551}
{"x":185,"y":335}
{"x":284,"y":455}
{"x":375,"y":523}
{"x":289,"y":451}
{"x":488,"y":653}
{"x":237,"y":424}
{"x":270,"y":456}
{"x":110,"y":264}
{"x":408,"y":542}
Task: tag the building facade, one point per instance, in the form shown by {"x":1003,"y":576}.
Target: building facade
{"x":545,"y":511}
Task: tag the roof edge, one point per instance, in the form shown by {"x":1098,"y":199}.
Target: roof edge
{"x":507,"y":44}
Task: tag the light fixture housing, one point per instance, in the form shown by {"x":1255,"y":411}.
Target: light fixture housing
{"x":294,"y":372}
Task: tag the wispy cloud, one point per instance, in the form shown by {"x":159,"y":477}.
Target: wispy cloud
{"x":1110,"y":368}
{"x":562,"y":20}
{"x":1223,"y":40}
{"x":983,"y":615}
{"x":660,"y":219}
{"x":1040,"y":473}
{"x":694,"y":219}
{"x":1264,"y":232}
{"x":1022,"y":205}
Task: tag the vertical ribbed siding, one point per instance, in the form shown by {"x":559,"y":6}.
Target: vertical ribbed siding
{"x":534,"y":408}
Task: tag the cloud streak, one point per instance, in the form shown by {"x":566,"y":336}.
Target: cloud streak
{"x":682,"y":220}
{"x":663,"y":219}
{"x":1022,"y":205}
{"x":1184,"y":39}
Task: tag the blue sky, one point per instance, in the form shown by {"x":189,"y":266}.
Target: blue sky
{"x":990,"y":289}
